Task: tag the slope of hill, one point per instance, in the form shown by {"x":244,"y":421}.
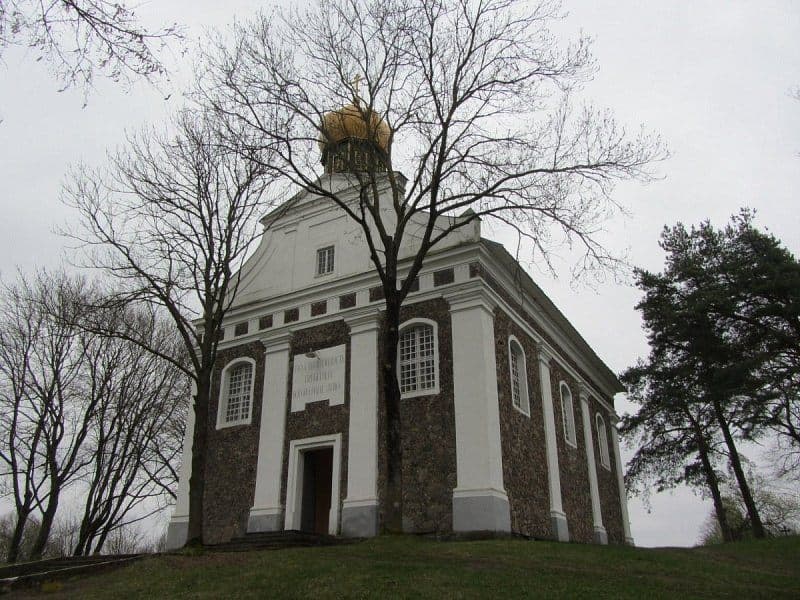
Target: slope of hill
{"x":409,"y":567}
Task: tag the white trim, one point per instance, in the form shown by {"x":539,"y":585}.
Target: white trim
{"x":413,"y":323}
{"x":623,"y":497}
{"x":568,"y":415}
{"x":594,"y":489}
{"x":480,"y":493}
{"x":294,"y":484}
{"x":525,"y":398}
{"x":222,"y":404}
{"x":181,"y":509}
{"x":362,"y":444}
{"x":551,"y":445}
{"x":467,"y":253}
{"x":479,"y":450}
{"x":274,"y":398}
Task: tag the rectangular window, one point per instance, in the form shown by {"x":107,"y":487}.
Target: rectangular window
{"x":417,"y":359}
{"x":239,"y":382}
{"x":516,"y":392}
{"x":568,"y":415}
{"x":325,"y":260}
{"x":602,"y":442}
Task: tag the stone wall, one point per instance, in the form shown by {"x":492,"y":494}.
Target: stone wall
{"x":318,"y":418}
{"x":572,"y":464}
{"x":522,"y":437}
{"x":607,"y":479}
{"x":232,"y":455}
{"x":428,"y":437}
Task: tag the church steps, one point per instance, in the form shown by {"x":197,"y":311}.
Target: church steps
{"x":276,"y":540}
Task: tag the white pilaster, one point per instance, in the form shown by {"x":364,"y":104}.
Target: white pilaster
{"x":600,"y":535}
{"x":267,"y":511}
{"x":558,"y":518}
{"x":480,"y":502}
{"x":179,"y":522}
{"x":623,"y":496}
{"x":360,"y":508}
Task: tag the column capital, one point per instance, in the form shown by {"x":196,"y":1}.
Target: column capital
{"x":278,"y":342}
{"x":544,"y":356}
{"x":472,"y":295}
{"x":583,"y":392}
{"x":364,"y":321}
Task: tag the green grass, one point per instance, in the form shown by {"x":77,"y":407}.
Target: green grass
{"x":409,"y":567}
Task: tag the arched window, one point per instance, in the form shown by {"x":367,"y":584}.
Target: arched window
{"x":236,"y":393}
{"x":518,"y":373}
{"x":602,"y":440}
{"x":568,"y":415}
{"x":418,"y":358}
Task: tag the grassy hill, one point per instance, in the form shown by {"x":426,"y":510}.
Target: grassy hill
{"x":409,"y":567}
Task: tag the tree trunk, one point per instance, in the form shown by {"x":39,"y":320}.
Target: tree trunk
{"x":48,"y":517}
{"x":84,"y":536}
{"x":713,"y":485}
{"x":100,"y":541}
{"x":393,"y":519}
{"x":16,"y":537}
{"x":744,"y":488}
{"x":199,"y":442}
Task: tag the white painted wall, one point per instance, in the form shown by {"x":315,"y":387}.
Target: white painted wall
{"x":285,"y":260}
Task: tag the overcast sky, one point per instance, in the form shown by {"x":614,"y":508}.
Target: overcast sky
{"x":712,"y":77}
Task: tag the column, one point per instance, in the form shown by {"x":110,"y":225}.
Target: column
{"x":178,"y":527}
{"x":480,"y":502}
{"x":267,"y":511}
{"x":558,"y":519}
{"x":623,"y":496}
{"x":600,"y":536}
{"x":360,"y":508}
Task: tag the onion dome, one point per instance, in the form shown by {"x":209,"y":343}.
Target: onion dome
{"x":350,"y":122}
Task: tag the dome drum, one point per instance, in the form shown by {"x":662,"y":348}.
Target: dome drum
{"x":352,"y":141}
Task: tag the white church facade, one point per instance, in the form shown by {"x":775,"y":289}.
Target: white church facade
{"x":507,"y":414}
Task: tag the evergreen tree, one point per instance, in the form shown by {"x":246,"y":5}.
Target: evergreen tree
{"x":723,"y":322}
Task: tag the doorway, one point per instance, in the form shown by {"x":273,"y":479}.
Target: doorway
{"x":316,"y":495}
{"x":313,"y":481}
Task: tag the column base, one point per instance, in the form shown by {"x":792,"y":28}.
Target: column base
{"x":359,"y":518}
{"x":629,"y":541}
{"x":558,"y":525}
{"x":265,"y":519}
{"x":177,"y":532}
{"x":600,"y":535}
{"x":481,"y":510}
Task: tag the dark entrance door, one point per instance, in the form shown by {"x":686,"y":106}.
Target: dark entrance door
{"x":317,"y":479}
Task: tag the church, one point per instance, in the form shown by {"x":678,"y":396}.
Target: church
{"x":507,"y":415}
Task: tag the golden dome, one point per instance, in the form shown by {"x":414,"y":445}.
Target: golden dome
{"x":348,"y":122}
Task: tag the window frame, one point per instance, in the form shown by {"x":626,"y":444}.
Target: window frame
{"x":224,"y":386}
{"x":318,"y":256}
{"x":522,"y":369}
{"x":568,"y":415}
{"x":415,"y":324}
{"x":602,"y":440}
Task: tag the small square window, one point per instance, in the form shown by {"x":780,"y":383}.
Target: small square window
{"x":325,"y":260}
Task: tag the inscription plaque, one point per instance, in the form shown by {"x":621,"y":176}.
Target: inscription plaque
{"x":318,"y":376}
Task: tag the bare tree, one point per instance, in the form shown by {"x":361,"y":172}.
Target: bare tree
{"x":471,"y":99}
{"x":129,"y":471}
{"x":49,"y":413}
{"x":82,"y":408}
{"x":22,"y":428}
{"x":80,"y":37}
{"x":171,"y":219}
